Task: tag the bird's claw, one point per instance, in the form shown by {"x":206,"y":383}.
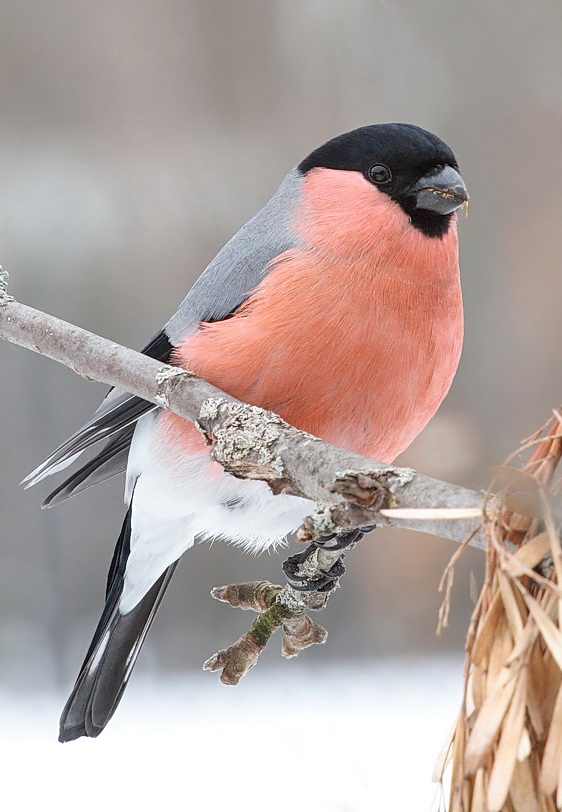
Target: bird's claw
{"x":303,"y":583}
{"x":342,"y":540}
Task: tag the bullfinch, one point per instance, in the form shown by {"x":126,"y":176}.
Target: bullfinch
{"x":338,"y":306}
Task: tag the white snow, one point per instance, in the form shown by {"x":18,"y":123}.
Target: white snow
{"x":345,"y":739}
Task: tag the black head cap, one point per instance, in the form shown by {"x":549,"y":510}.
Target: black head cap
{"x":395,"y":158}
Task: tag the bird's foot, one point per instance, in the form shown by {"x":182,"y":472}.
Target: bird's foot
{"x":295,"y":567}
{"x":324,"y":582}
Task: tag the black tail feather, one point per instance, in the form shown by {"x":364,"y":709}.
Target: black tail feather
{"x":113,"y":652}
{"x":110,"y":461}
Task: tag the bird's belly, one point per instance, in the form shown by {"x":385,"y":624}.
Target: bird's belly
{"x":371,"y":393}
{"x":380,"y":412}
{"x":359,"y":358}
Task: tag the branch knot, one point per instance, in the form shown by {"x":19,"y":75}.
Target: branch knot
{"x":244,"y":442}
{"x":5,"y":297}
{"x":167,"y":379}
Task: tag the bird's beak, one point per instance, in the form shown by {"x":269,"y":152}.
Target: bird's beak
{"x":442,"y":192}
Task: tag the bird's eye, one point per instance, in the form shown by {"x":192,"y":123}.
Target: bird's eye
{"x":380,"y":174}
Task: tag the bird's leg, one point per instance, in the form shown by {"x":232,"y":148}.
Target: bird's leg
{"x":295,"y":571}
{"x":295,"y":567}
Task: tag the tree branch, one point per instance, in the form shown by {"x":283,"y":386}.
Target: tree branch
{"x":249,"y":442}
{"x":351,"y":491}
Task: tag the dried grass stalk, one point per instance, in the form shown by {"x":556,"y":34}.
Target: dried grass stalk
{"x":506,"y":747}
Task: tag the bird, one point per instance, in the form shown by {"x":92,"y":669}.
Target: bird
{"x":338,"y":306}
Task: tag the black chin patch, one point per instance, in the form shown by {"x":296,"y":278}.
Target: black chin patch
{"x":428,"y":222}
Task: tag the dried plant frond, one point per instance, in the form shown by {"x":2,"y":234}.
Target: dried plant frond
{"x":506,"y":748}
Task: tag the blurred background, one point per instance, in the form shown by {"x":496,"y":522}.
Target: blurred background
{"x":136,"y":136}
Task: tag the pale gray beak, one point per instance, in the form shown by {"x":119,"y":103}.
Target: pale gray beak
{"x":441,"y":192}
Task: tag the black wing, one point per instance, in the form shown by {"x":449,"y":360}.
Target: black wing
{"x":117,"y":415}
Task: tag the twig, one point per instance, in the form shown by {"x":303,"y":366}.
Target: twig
{"x":278,"y":607}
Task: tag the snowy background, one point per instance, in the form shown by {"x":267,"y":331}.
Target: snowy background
{"x":354,"y":739}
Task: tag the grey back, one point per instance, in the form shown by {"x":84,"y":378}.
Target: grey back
{"x":241,"y":264}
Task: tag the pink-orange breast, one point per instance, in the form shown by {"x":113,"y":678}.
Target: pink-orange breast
{"x":353,"y":340}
